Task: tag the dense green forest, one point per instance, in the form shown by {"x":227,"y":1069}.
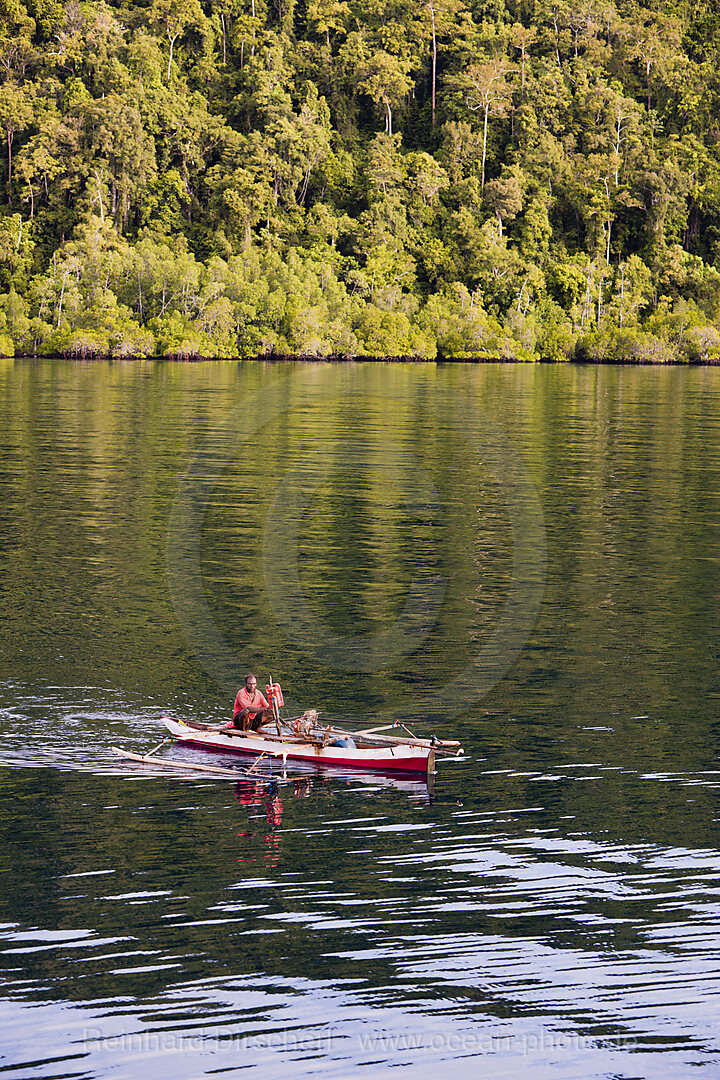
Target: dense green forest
{"x":479,"y":178}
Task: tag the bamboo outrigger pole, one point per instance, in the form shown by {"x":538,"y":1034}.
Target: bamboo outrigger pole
{"x":216,"y":770}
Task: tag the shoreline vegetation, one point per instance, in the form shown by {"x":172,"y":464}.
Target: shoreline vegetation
{"x":451,"y":180}
{"x":274,"y":358}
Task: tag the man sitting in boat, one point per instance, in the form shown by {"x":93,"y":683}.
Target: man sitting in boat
{"x":251,"y":708}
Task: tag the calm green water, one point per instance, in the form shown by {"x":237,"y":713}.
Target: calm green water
{"x":522,"y":558}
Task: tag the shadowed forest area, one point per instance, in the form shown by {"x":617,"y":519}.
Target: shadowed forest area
{"x":529,"y":179}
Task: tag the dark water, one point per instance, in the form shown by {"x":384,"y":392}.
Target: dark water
{"x":522,"y":558}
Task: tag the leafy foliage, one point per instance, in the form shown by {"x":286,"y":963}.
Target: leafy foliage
{"x":344,"y":177}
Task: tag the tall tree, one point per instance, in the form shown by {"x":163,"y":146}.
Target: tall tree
{"x":487,"y":90}
{"x":522,"y":37}
{"x":15,"y":115}
{"x":439,"y":19}
{"x":326,"y":16}
{"x":386,"y":79}
{"x":175,"y":17}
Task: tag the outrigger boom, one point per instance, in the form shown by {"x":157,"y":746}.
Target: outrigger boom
{"x":439,"y":745}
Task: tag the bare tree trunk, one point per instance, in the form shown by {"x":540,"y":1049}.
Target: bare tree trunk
{"x":222,"y":21}
{"x":485,"y":127}
{"x":586,"y":307}
{"x":617,"y":147}
{"x":599,"y":301}
{"x":172,"y":38}
{"x":62,"y":294}
{"x":306,"y":183}
{"x":557,"y":42}
{"x":9,"y":144}
{"x":100,"y":198}
{"x":609,"y":233}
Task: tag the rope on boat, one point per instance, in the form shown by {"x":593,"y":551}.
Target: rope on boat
{"x":171,"y":739}
{"x":256,"y":762}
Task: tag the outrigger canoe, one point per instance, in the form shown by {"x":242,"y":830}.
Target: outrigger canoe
{"x":320,"y":742}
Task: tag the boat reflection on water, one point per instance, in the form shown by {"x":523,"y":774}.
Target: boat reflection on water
{"x":260,"y":799}
{"x":302,"y":787}
{"x":250,"y":794}
{"x":253,"y":794}
{"x":325,"y":782}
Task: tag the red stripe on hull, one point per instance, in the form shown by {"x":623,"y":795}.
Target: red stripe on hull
{"x":406,"y":764}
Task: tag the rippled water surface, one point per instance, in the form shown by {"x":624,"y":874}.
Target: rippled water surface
{"x":522,"y":558}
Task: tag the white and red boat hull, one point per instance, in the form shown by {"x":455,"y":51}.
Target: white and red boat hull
{"x":406,"y":757}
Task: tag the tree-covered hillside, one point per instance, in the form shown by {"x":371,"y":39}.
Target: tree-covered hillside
{"x":530,"y":178}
